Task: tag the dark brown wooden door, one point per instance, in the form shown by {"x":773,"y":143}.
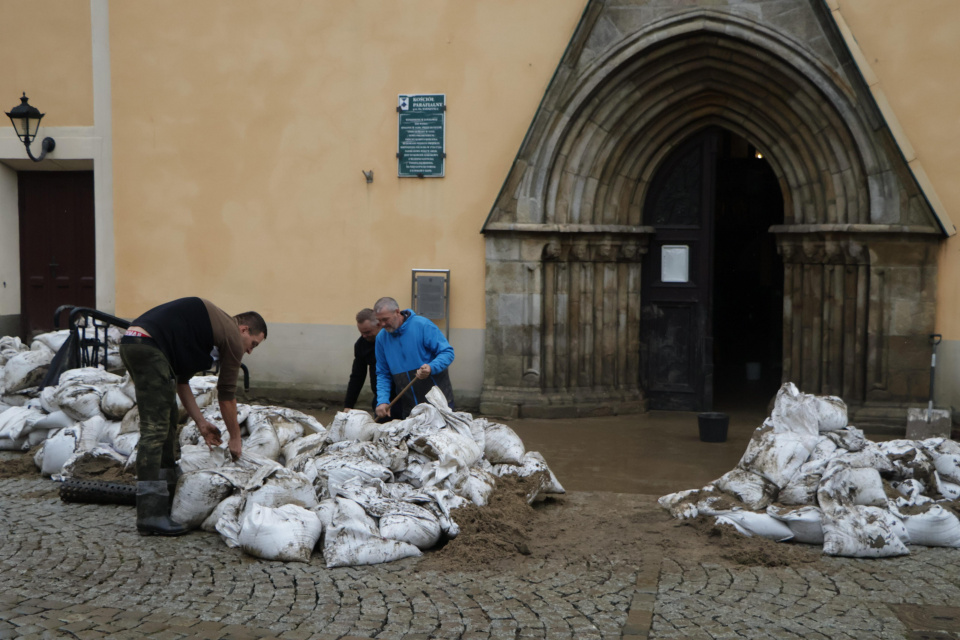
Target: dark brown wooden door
{"x":676,"y":334}
{"x":57,"y":258}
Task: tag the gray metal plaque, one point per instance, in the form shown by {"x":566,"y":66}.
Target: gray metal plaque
{"x":431,"y":296}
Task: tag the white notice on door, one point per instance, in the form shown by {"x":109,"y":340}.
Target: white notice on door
{"x":675,"y":263}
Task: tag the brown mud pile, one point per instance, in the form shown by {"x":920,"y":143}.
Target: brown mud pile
{"x":104,"y":469}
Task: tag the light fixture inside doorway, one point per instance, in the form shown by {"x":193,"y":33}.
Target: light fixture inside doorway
{"x":26,"y":121}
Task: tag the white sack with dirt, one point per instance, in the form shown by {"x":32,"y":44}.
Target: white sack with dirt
{"x":288,"y":532}
{"x":25,"y":369}
{"x":823,"y":479}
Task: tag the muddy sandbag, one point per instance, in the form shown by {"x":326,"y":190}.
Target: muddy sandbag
{"x":126,"y":443}
{"x":57,"y":449}
{"x":287,"y":533}
{"x":478,"y":486}
{"x":777,"y":454}
{"x":795,"y":412}
{"x":90,"y":431}
{"x":849,"y":438}
{"x":52,"y":340}
{"x":802,"y":488}
{"x":17,"y":422}
{"x":860,"y":532}
{"x":196,"y":457}
{"x":334,"y":470}
{"x":934,"y":527}
{"x":264,"y":441}
{"x":911,"y":493}
{"x":352,"y":424}
{"x":845,"y":485}
{"x":750,"y":488}
{"x":47,"y":401}
{"x":92,"y":376}
{"x":131,"y":421}
{"x":410,"y":523}
{"x":831,"y":413}
{"x":229,"y":508}
{"x":311,"y":445}
{"x":870,"y":456}
{"x":204,"y":389}
{"x":451,"y":450}
{"x":946,"y":458}
{"x":79,"y":400}
{"x":949,"y":490}
{"x":762,"y":525}
{"x":25,"y":369}
{"x":9,"y":347}
{"x":353,"y":538}
{"x":682,"y":504}
{"x":115,"y":403}
{"x":393,"y":458}
{"x":502,"y":445}
{"x":533,"y":463}
{"x":283,"y":487}
{"x":805,"y":523}
{"x":198,"y":494}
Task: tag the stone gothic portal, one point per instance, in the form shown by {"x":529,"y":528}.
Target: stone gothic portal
{"x":580,"y":320}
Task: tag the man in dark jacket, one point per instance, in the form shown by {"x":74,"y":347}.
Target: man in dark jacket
{"x":364,"y":360}
{"x":162,"y":350}
{"x":412,"y":347}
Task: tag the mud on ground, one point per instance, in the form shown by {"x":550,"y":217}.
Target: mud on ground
{"x":572,"y":528}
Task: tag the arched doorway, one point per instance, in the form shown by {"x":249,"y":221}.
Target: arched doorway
{"x":712,"y":281}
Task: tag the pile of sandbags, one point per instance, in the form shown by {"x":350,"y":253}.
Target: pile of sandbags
{"x":808,"y":476}
{"x":358,"y":491}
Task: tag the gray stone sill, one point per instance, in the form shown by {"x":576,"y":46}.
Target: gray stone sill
{"x":854,"y":228}
{"x":514,"y":227}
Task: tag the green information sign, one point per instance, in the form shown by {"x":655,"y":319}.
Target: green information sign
{"x":421,"y":151}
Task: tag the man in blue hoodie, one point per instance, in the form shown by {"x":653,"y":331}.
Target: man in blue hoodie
{"x":412,"y":347}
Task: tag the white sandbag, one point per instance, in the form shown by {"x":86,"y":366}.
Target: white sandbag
{"x":802,"y":488}
{"x":286,"y":533}
{"x":452,"y":451}
{"x":502,"y":445}
{"x":204,"y":389}
{"x":35,"y":437}
{"x":935,"y":527}
{"x":912,"y":493}
{"x":352,"y":424}
{"x":845,"y":485}
{"x":55,"y":420}
{"x":90,"y":430}
{"x":312,"y":445}
{"x":289,"y":424}
{"x":195,"y":457}
{"x":131,"y":421}
{"x":26,"y":369}
{"x":263,"y":442}
{"x":126,"y":385}
{"x":682,"y":504}
{"x":948,"y":490}
{"x":227,"y":522}
{"x":383,"y":453}
{"x":831,"y":413}
{"x":58,"y":449}
{"x":92,"y":376}
{"x":795,"y":412}
{"x":198,"y":494}
{"x":109,"y":433}
{"x":115,"y":403}
{"x":825,"y":449}
{"x":7,"y":444}
{"x":946,"y":458}
{"x":47,"y":401}
{"x":335,"y":470}
{"x":283,"y":487}
{"x":870,"y":456}
{"x":478,"y":487}
{"x":411,"y":524}
{"x":17,"y":422}
{"x":353,"y":538}
{"x":79,"y":400}
{"x":23,"y":398}
{"x":763,"y":525}
{"x":849,"y":438}
{"x":777,"y":454}
{"x":231,"y":506}
{"x":533,"y":463}
{"x":126,"y":443}
{"x":910,"y":460}
{"x":52,"y":340}
{"x":752,"y":489}
{"x":9,"y":347}
{"x":860,"y":532}
{"x":805,"y":523}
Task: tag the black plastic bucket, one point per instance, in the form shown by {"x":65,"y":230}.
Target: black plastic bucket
{"x":713,"y":426}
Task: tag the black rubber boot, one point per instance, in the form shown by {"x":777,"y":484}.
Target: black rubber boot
{"x":153,"y":510}
{"x":171,"y":477}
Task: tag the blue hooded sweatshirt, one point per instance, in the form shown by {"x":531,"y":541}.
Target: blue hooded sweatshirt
{"x":416,"y":342}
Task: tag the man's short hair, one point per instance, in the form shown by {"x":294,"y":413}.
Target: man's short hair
{"x":366,"y":315}
{"x":254,"y":321}
{"x":386,"y":304}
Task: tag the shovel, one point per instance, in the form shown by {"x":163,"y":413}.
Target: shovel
{"x":394,"y":401}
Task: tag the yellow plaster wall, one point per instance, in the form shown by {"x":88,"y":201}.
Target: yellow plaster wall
{"x":53,"y":60}
{"x":241,"y":129}
{"x":912,"y":49}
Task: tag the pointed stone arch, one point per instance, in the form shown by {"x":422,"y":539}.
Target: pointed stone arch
{"x":571,"y":209}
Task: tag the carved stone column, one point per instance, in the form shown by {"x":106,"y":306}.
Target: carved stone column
{"x":563,"y":318}
{"x":859,"y":303}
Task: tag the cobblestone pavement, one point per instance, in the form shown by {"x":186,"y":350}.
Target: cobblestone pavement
{"x":81,"y":571}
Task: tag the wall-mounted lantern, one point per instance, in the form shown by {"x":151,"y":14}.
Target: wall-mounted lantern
{"x":26,"y":121}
